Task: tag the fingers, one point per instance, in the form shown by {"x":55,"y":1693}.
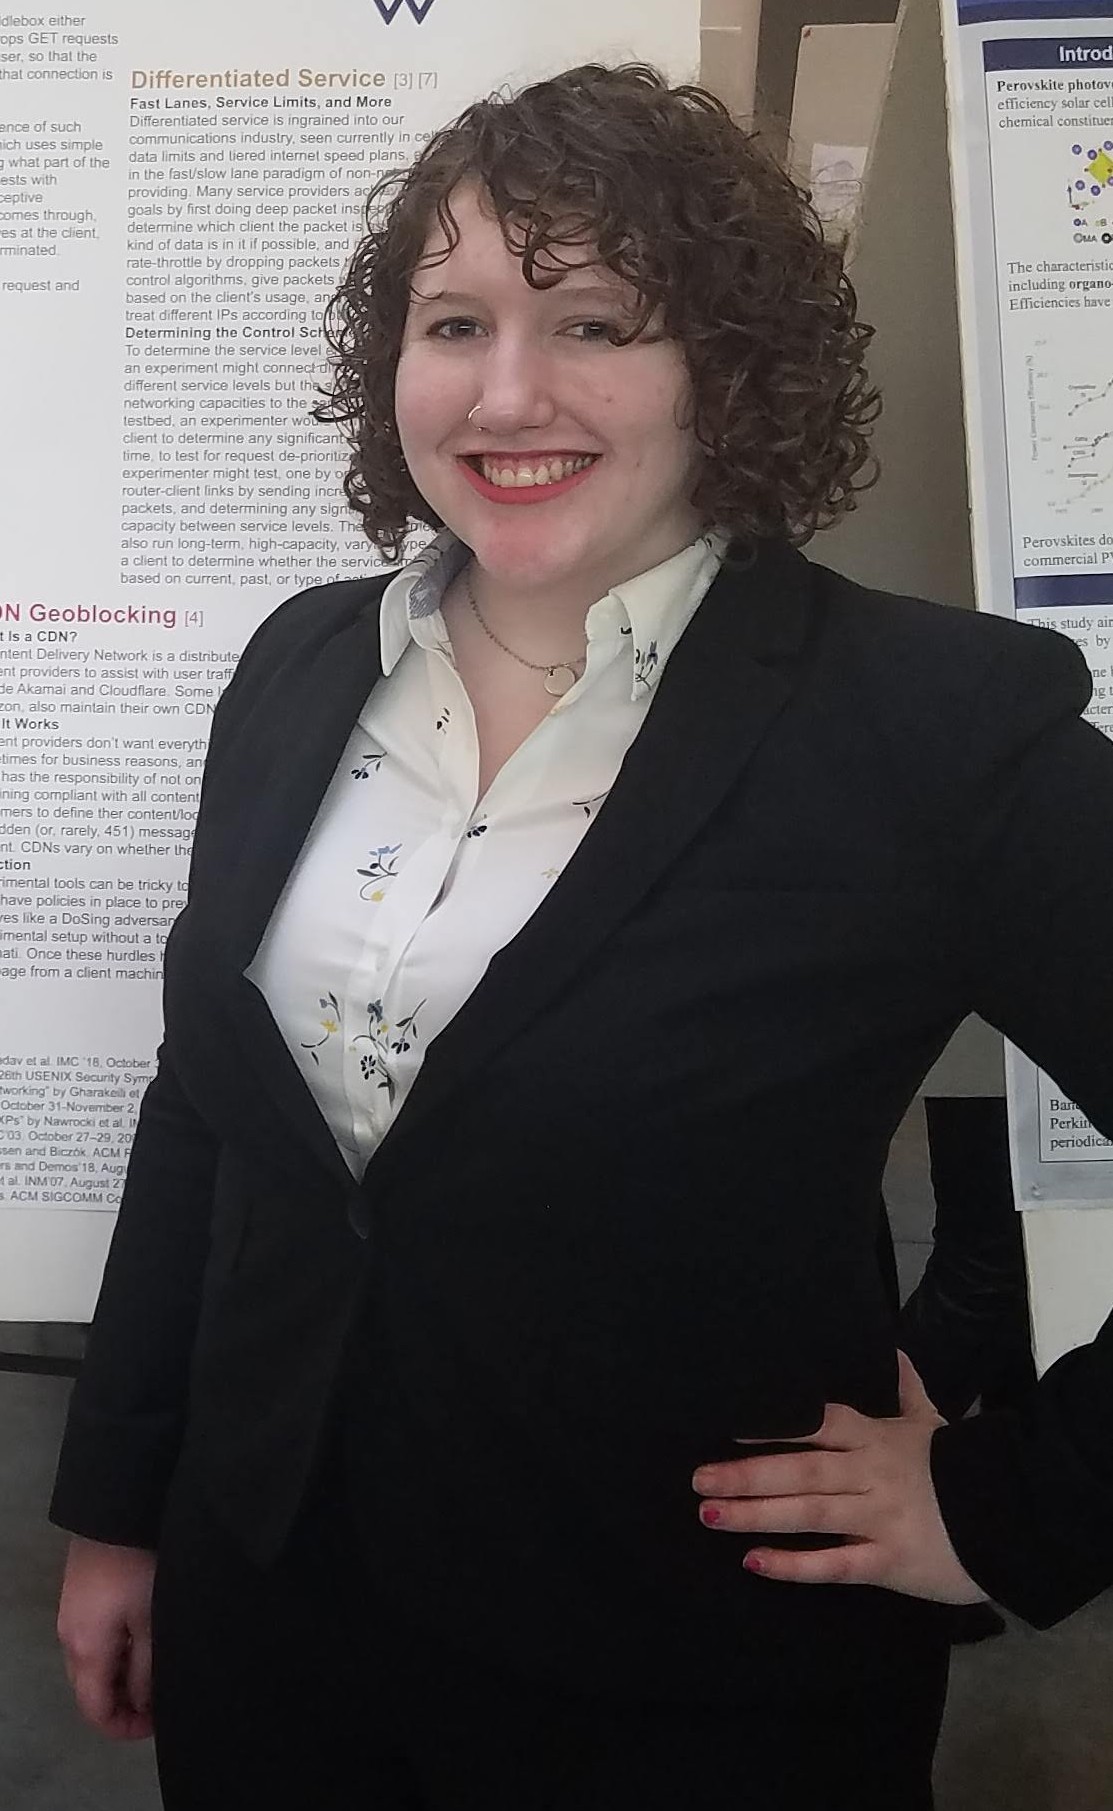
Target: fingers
{"x":139,"y":1678}
{"x":811,"y":1474}
{"x":842,"y":1428}
{"x":853,"y":1564}
{"x":96,"y":1671}
{"x":876,"y":1504}
{"x":112,"y":1689}
{"x":785,"y":1515}
{"x":914,"y":1399}
{"x":104,"y":1623}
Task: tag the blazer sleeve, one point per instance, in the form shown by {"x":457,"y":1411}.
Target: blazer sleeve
{"x":127,"y":1411}
{"x":1027,"y":1493}
{"x":128,"y":1407}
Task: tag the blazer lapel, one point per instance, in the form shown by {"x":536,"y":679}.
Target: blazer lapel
{"x":284,"y":784}
{"x":724,"y":685}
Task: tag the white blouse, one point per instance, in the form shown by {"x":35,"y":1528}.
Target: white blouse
{"x":408,"y":883}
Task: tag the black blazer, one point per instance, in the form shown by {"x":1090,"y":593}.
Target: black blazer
{"x":629,"y":1210}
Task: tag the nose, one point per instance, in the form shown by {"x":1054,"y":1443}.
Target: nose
{"x":516,"y":392}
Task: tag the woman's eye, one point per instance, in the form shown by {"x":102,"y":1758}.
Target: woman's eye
{"x":457,"y":328}
{"x":597,"y":333}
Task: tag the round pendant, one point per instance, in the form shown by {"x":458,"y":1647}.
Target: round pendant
{"x":559,"y":680}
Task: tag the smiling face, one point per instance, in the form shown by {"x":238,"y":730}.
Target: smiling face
{"x":582,"y":473}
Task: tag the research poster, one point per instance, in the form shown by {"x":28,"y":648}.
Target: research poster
{"x":1030,"y":87}
{"x":180,"y":188}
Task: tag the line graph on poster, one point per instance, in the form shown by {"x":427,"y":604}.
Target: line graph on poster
{"x":1070,"y":429}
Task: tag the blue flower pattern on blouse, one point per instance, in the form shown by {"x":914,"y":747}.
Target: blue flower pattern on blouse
{"x":369,"y":763}
{"x":384,"y":867}
{"x":373,"y":1063}
{"x":330,"y":1024}
{"x":645,"y":665}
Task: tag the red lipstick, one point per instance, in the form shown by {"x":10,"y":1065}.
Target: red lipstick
{"x":526,"y":493}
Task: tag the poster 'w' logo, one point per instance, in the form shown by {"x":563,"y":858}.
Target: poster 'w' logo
{"x":388,"y":10}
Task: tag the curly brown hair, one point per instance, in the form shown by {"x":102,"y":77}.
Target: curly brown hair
{"x":722,"y":248}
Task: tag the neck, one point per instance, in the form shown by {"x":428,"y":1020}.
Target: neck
{"x":538,"y":625}
{"x":546,"y":622}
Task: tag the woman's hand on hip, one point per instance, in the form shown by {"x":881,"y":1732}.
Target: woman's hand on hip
{"x":868,"y":1481}
{"x":104,"y":1626}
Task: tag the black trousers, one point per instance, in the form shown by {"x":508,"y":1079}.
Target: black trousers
{"x":295,"y":1688}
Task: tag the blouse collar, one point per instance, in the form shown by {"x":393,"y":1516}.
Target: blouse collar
{"x":652,"y":610}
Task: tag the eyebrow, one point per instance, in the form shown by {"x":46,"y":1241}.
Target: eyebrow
{"x":457,"y":299}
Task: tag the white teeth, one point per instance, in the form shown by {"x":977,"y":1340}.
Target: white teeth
{"x":525,"y":477}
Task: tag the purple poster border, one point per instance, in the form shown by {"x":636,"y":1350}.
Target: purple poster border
{"x":1060,"y":52}
{"x":1071,"y":588}
{"x":1059,"y":12}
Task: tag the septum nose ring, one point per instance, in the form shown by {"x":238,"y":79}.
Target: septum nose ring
{"x":472,"y":413}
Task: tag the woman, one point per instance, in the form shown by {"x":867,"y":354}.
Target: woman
{"x":493,"y":1344}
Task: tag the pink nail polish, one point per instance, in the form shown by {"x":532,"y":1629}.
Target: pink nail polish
{"x":711,"y":1516}
{"x":753,"y":1564}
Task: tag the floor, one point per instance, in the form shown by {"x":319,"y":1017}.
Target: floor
{"x":1028,"y":1726}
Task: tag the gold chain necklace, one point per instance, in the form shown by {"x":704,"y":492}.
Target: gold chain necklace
{"x":559,"y":678}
